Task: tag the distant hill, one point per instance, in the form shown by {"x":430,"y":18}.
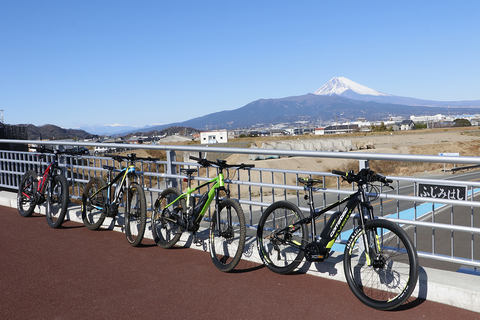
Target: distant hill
{"x":53,"y":132}
{"x":170,"y":131}
{"x":309,"y":107}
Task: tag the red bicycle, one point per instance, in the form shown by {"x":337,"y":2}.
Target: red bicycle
{"x":51,"y":187}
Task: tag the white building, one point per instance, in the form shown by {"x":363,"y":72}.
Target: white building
{"x":214,"y":136}
{"x":435,"y":118}
{"x":319,"y":131}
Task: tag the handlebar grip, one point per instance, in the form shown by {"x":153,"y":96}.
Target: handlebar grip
{"x":247,"y":166}
{"x":195,"y":158}
{"x":383,"y":179}
{"x":340,"y":173}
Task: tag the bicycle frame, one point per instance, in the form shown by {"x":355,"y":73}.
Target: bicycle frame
{"x":212,"y":193}
{"x":125,"y":182}
{"x":46,"y":174}
{"x":358,"y":199}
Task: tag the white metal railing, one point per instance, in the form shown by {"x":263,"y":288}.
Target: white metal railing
{"x":442,"y":229}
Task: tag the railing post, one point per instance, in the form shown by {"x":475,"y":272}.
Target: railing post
{"x":363,"y":164}
{"x":171,"y":168}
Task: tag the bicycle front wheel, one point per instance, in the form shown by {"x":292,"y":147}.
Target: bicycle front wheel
{"x":26,"y":194}
{"x":137,"y":215}
{"x":383,"y":272}
{"x":227,"y":238}
{"x":165,"y":229}
{"x":94,"y":203}
{"x":281,"y":247}
{"x":57,"y":201}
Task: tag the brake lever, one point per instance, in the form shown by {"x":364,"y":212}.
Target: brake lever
{"x":387,"y":185}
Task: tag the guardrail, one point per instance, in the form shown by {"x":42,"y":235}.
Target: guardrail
{"x":442,"y":229}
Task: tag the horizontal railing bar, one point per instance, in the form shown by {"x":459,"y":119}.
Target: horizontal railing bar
{"x":297,"y":153}
{"x":441,"y":257}
{"x":437,"y":181}
{"x":435,"y":225}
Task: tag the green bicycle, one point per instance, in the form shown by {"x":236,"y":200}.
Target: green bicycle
{"x":175,"y":213}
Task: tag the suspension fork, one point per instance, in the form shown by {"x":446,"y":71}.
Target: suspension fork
{"x":127,"y":195}
{"x":217,"y":211}
{"x":366,"y":213}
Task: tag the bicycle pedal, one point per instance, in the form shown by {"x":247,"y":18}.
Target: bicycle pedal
{"x":197,"y":242}
{"x":316,"y":258}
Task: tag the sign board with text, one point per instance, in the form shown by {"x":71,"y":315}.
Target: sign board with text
{"x":442,"y":191}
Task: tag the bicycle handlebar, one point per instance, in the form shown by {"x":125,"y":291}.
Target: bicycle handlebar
{"x":72,"y":151}
{"x":363,"y":176}
{"x":129,"y":157}
{"x":221,"y":163}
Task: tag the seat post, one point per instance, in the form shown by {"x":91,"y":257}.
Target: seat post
{"x":189,"y":180}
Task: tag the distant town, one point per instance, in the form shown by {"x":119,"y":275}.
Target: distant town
{"x":299,"y":128}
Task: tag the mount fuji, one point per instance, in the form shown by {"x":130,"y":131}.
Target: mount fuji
{"x":343,"y":86}
{"x":347,"y":88}
{"x":338,"y":99}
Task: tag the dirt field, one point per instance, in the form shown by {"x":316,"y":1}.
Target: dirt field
{"x":465,"y":141}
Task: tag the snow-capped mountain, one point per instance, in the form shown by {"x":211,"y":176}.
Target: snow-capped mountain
{"x":338,"y":97}
{"x":344,"y":87}
{"x":341,"y":86}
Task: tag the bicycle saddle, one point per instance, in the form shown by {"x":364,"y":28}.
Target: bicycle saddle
{"x":310,"y":181}
{"x":110,"y":168}
{"x":189,"y":172}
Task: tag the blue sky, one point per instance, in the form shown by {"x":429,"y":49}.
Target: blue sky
{"x":76,"y":63}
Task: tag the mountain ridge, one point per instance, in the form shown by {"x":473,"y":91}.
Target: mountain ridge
{"x":309,"y":107}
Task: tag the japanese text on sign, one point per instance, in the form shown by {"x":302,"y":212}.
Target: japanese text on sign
{"x":442,"y":191}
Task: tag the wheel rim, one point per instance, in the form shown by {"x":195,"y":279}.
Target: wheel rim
{"x":55,"y":203}
{"x":225,"y":242}
{"x":274,"y":246}
{"x":382,"y":278}
{"x":164,"y":220}
{"x":134,"y":224}
{"x":27,"y":196}
{"x":94,"y":206}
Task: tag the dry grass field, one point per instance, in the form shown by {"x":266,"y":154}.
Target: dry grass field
{"x":465,"y":141}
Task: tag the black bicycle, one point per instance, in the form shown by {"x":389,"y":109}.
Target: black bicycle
{"x":50,"y":186}
{"x":380,"y":261}
{"x":101,"y":200}
{"x":175,"y":213}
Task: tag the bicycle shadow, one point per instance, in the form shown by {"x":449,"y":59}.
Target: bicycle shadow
{"x":413,"y":302}
{"x":328,"y":266}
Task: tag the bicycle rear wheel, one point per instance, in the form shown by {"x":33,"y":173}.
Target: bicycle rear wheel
{"x":228,"y":241}
{"x":26,"y":194}
{"x":137,"y":215}
{"x":165,"y":229}
{"x":382,"y":280}
{"x":57,"y":201}
{"x":281,"y":251}
{"x":94,"y":203}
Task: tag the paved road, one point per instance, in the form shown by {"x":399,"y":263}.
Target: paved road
{"x":74,"y":273}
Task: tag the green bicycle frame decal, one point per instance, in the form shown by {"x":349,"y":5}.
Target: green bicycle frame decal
{"x":219,"y":182}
